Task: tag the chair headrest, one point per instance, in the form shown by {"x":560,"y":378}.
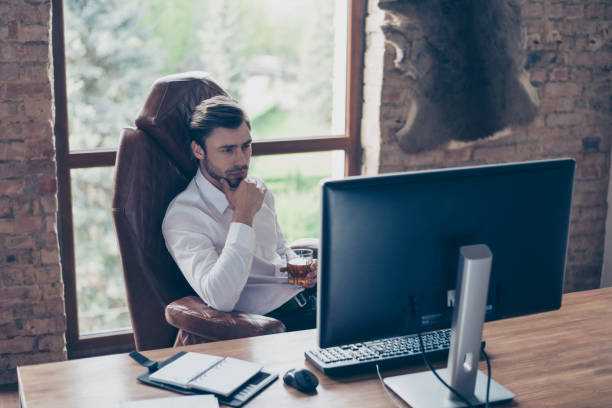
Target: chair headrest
{"x":167,"y":111}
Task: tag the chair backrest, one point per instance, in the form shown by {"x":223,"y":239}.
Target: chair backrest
{"x":154,"y":164}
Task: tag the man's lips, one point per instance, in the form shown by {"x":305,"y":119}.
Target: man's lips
{"x":237,"y":173}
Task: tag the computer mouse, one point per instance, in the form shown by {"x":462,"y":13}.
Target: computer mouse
{"x":302,"y":380}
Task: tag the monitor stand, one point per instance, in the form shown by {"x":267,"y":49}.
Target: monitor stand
{"x":424,"y":389}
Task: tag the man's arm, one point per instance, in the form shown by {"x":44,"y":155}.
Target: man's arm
{"x":218,"y":278}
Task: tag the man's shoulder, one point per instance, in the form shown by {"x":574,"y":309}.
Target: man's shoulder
{"x":183,"y":204}
{"x":188,"y":195}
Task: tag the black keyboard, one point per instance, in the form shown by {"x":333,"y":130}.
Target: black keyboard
{"x":351,"y":358}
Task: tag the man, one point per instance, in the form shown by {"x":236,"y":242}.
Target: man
{"x":222,"y":230}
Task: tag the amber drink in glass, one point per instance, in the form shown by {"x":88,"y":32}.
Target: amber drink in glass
{"x":298,"y":265}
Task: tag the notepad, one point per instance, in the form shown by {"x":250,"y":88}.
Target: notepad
{"x":205,"y":372}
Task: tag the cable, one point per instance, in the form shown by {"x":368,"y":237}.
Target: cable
{"x":484,"y":353}
{"x":455,"y":392}
{"x":386,"y":390}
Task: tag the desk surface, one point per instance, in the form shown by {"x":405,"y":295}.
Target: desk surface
{"x":555,"y":359}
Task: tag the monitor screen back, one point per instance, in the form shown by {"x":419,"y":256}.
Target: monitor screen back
{"x":390,"y":245}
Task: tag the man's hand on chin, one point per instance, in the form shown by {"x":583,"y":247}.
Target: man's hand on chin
{"x":246,"y":199}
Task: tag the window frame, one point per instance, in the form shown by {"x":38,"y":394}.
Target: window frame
{"x":349,"y":142}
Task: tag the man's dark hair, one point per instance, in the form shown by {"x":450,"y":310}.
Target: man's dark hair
{"x":218,"y":111}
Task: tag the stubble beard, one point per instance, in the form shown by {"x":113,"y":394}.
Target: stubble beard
{"x":216,"y":174}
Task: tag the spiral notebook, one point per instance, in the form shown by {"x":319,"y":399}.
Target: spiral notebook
{"x":233,"y":381}
{"x":219,"y":375}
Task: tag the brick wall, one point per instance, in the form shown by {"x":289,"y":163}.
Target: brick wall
{"x":32,"y":317}
{"x":570,"y":46}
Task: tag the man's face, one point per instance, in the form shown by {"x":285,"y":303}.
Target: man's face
{"x":227,"y":155}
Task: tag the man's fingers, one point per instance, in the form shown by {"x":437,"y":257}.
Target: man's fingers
{"x":309,"y":283}
{"x":254,"y":183}
{"x":225,"y":186}
{"x":311,"y":280}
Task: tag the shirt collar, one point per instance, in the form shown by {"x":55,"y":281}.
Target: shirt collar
{"x":212,"y":193}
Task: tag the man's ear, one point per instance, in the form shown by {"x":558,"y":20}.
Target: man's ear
{"x":198,"y":152}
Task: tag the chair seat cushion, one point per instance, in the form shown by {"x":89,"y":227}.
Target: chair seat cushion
{"x":192,"y":315}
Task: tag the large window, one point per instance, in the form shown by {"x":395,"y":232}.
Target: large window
{"x":295,"y":65}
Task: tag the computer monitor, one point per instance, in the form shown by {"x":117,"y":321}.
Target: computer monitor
{"x":390,"y":246}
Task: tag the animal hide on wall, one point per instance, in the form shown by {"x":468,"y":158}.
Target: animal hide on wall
{"x":464,"y":66}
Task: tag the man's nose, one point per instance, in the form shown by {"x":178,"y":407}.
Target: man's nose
{"x":241,"y":158}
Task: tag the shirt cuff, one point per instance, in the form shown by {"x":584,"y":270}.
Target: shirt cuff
{"x":242,"y":235}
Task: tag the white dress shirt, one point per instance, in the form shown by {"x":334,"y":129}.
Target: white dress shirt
{"x":230,"y":265}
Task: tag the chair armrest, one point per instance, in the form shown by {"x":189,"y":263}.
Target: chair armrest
{"x":193,"y":316}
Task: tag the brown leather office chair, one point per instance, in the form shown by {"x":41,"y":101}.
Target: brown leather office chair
{"x":154,"y":164}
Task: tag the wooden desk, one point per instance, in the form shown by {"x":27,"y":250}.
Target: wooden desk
{"x":555,"y":359}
